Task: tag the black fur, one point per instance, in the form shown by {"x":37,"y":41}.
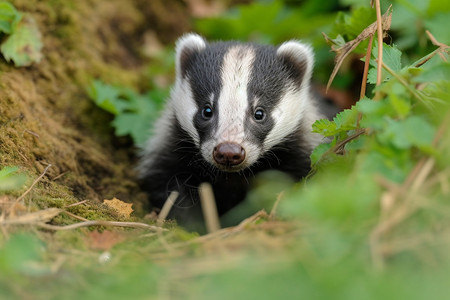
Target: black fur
{"x":180,"y":158}
{"x":178,"y":165}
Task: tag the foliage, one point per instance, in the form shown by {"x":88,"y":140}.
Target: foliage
{"x":372,"y":223}
{"x":133,"y":113}
{"x":10,"y":180}
{"x":23,"y":44}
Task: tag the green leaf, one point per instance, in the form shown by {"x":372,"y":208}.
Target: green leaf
{"x":107,"y":97}
{"x":413,"y":131}
{"x":374,"y":113}
{"x":24,"y":45}
{"x":134,"y":125}
{"x":9,"y":180}
{"x":346,"y":119}
{"x":9,"y":17}
{"x":391,"y":58}
{"x":318,"y":152}
{"x":342,"y":122}
{"x":401,"y":106}
{"x":351,"y":25}
{"x":325,"y":127}
{"x":440,"y":72}
{"x":19,"y":253}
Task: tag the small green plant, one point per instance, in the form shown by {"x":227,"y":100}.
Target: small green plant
{"x":133,"y":113}
{"x":20,"y":36}
{"x":382,"y":160}
{"x":10,"y":179}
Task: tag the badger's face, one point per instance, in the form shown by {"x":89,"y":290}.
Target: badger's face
{"x":237,"y":101}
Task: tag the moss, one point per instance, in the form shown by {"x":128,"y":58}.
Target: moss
{"x":46,"y":116}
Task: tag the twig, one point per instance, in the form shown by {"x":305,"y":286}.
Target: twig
{"x":366,"y":69}
{"x":59,"y":176}
{"x":167,"y":207}
{"x":343,"y":51}
{"x":75,"y":204}
{"x":209,"y":207}
{"x":380,"y":47}
{"x":31,"y":132}
{"x":339,"y":147}
{"x":275,"y":206}
{"x":260,"y":214}
{"x":442,"y":48}
{"x":100,"y":223}
{"x":75,"y":216}
{"x":30,"y":188}
{"x":423,"y":174}
{"x":403,"y":82}
{"x":403,"y":210}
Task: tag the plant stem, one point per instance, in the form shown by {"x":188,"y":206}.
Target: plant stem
{"x":380,"y":47}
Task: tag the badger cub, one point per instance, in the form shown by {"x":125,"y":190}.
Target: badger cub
{"x":236,"y":110}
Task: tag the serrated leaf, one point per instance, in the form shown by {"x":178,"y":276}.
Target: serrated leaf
{"x":352,"y":24}
{"x":325,"y":127}
{"x":391,"y":58}
{"x":346,"y":120}
{"x":318,"y":152}
{"x":9,"y":17}
{"x":107,"y":97}
{"x":24,"y":45}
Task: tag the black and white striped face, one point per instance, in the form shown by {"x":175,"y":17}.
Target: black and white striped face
{"x":237,"y":101}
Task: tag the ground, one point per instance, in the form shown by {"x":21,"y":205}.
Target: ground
{"x":46,"y":116}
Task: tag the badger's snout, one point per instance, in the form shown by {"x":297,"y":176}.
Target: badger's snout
{"x":229,"y":154}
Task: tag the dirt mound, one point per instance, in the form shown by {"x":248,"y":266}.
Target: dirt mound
{"x":45,"y":114}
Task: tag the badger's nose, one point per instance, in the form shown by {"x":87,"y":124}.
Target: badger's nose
{"x":228,"y":154}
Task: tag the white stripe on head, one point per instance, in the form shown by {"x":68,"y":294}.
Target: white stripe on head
{"x":233,"y":103}
{"x":233,"y":99}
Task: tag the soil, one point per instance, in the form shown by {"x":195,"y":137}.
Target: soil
{"x":46,"y":116}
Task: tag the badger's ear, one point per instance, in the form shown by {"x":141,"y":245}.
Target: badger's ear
{"x":186,"y":47}
{"x":299,"y":58}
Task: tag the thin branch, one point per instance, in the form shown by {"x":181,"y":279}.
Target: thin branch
{"x":100,"y":223}
{"x":273,"y":212}
{"x":403,"y":82}
{"x":209,"y":207}
{"x":339,"y":147}
{"x":366,"y":68}
{"x":380,"y":47}
{"x":167,"y":207}
{"x":30,"y":188}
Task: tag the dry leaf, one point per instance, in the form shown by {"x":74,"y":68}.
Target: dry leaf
{"x":103,"y":240}
{"x":122,"y":208}
{"x":347,"y":48}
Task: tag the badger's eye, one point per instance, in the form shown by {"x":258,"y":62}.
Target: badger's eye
{"x":259,"y":114}
{"x":207,"y":112}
